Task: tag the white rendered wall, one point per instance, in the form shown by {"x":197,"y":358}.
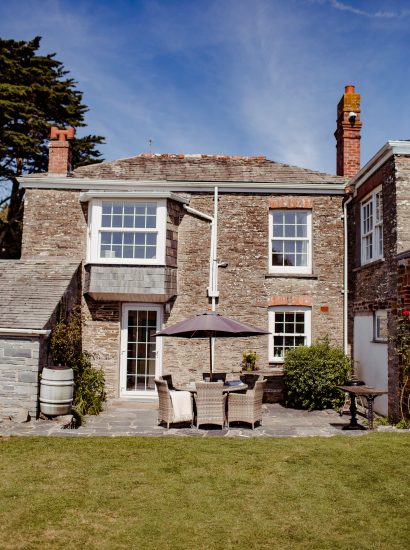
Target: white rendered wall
{"x":370,"y":359}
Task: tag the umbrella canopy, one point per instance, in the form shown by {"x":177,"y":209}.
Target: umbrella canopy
{"x":210,"y":325}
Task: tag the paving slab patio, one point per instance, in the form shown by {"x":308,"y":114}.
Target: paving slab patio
{"x":123,"y":417}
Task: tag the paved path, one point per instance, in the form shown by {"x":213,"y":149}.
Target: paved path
{"x":132,"y":418}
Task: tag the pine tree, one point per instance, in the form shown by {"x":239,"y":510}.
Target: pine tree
{"x":35,"y":94}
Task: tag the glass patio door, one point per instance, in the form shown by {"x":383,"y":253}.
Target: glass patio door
{"x":140,"y":354}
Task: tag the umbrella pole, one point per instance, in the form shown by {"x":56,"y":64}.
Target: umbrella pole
{"x":210,"y":359}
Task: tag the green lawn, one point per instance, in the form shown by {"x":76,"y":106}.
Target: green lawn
{"x":205,"y":493}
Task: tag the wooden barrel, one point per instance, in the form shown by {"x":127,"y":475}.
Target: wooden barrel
{"x":56,"y":390}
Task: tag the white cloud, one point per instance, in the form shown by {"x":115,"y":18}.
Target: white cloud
{"x":376,"y":14}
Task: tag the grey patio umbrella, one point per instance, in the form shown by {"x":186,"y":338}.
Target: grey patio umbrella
{"x":210,"y":325}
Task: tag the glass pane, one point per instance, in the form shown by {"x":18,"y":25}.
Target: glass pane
{"x":279,"y":317}
{"x":278,"y":230}
{"x":106,"y":221}
{"x":289,"y":328}
{"x":140,"y":222}
{"x":117,"y":207}
{"x":128,"y":221}
{"x":290,"y":231}
{"x":131,"y":366}
{"x":278,"y":218}
{"x":290,"y":218}
{"x":131,"y":382}
{"x":141,"y":366}
{"x":300,"y":317}
{"x":151,"y":252}
{"x":301,"y":231}
{"x":139,"y":252}
{"x":300,"y":328}
{"x":279,"y":327}
{"x":106,"y":208}
{"x":289,"y":247}
{"x":299,"y":341}
{"x":289,"y":260}
{"x":289,"y":341}
{"x":151,"y":222}
{"x":301,"y":218}
{"x":151,"y":208}
{"x":140,"y":383}
{"x":151,"y":239}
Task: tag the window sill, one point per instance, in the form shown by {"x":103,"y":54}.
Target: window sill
{"x":375,"y":263}
{"x":291,"y":275}
{"x":379,"y":341}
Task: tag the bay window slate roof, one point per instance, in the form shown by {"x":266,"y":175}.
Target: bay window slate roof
{"x":170,"y":167}
{"x":31,"y":289}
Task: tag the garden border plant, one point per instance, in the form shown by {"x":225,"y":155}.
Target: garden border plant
{"x":312,"y":374}
{"x":402,"y":348}
{"x":65,"y":347}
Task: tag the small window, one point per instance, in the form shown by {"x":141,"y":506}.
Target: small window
{"x":127,"y":232}
{"x":290,"y":241}
{"x":372,"y":227}
{"x":380,"y":326}
{"x":290,"y":328}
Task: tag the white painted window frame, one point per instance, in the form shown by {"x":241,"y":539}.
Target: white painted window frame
{"x":283,"y":309}
{"x":371,"y":230}
{"x":377,"y":315}
{"x":94,"y":227}
{"x":126,"y":307}
{"x":291,"y":270}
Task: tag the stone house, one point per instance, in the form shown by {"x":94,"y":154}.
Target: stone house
{"x":379,"y":267}
{"x":139,"y":238}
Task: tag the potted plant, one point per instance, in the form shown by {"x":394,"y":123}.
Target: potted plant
{"x":249,"y":358}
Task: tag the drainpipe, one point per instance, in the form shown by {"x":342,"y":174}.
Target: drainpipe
{"x":213,"y":292}
{"x":345,"y":277}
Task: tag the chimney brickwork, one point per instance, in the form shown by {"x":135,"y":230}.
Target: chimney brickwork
{"x":59,"y":157}
{"x":348,"y":134}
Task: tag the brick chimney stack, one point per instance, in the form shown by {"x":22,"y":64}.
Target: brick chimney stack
{"x":348,"y":134}
{"x":59,"y":156}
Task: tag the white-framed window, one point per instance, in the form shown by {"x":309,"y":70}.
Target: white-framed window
{"x":290,"y":241}
{"x":380,"y":333}
{"x":290,"y":327}
{"x":127,"y":231}
{"x":372,"y":227}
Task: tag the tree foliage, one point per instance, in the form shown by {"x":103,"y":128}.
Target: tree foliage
{"x":35,"y":94}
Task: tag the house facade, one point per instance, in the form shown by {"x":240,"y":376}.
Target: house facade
{"x":153,"y":239}
{"x":141,"y":230}
{"x":379,"y":267}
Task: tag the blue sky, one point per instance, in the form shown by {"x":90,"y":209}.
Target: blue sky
{"x":233,"y":77}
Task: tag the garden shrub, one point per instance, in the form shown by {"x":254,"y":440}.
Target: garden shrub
{"x":66,"y":349}
{"x":312,"y":374}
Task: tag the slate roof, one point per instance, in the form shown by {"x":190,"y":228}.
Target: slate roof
{"x":31,"y":289}
{"x":170,"y":167}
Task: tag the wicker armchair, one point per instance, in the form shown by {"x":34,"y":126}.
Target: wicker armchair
{"x":247,"y":407}
{"x":210,"y":403}
{"x":165,"y":408}
{"x":168,"y":380}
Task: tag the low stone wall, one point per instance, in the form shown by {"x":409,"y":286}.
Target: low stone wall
{"x":19,"y":375}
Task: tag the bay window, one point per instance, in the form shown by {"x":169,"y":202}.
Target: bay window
{"x":127,"y":231}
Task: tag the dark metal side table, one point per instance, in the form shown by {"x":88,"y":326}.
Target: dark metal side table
{"x":363,"y":391}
